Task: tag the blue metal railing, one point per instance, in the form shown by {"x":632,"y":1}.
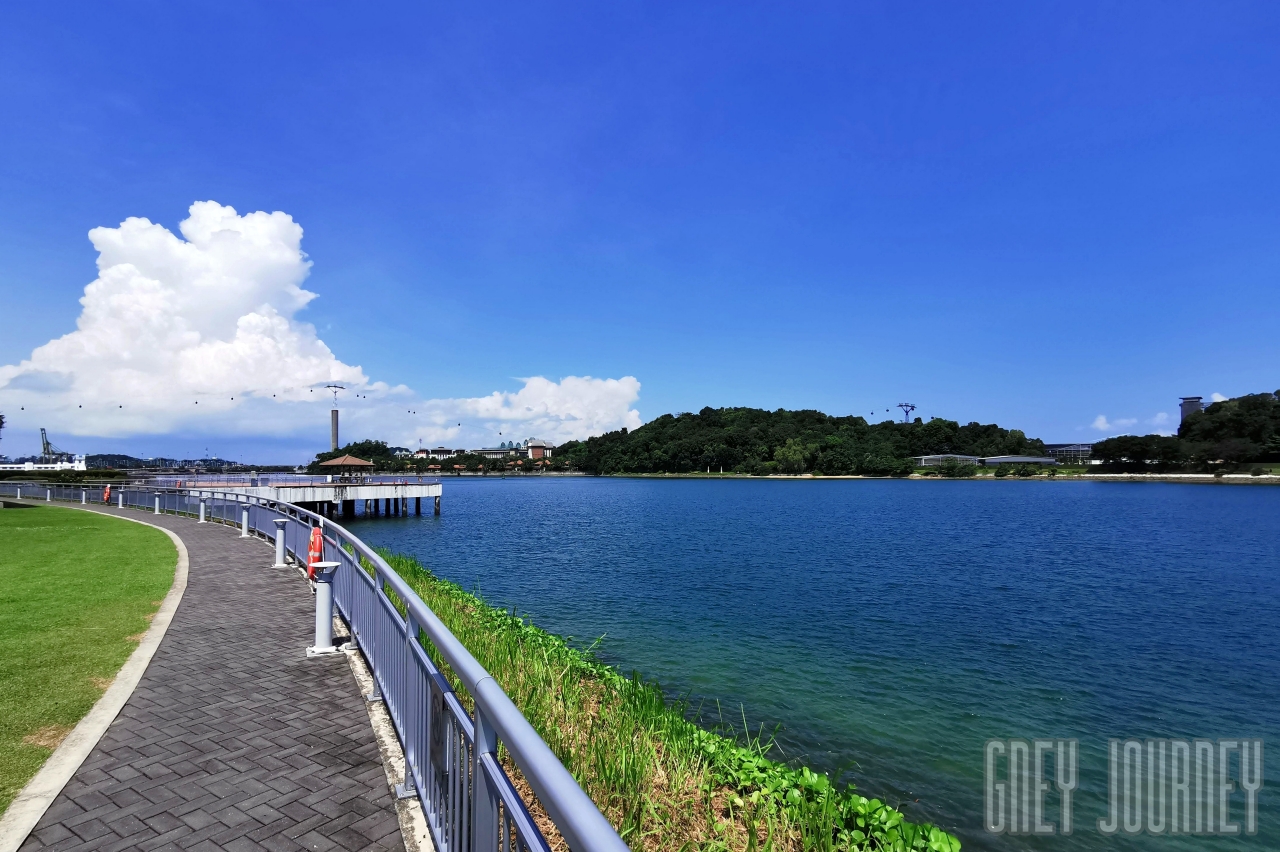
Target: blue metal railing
{"x":451,"y":757}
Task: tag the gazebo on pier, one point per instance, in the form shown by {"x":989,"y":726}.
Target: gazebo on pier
{"x":348,"y":465}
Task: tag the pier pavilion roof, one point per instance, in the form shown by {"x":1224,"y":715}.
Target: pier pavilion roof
{"x":346,"y":461}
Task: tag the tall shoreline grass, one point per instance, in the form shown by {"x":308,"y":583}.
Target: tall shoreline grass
{"x":663,"y":780}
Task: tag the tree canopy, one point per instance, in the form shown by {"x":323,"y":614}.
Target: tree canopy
{"x":1243,"y":429}
{"x":754,"y":441}
{"x":1236,"y":431}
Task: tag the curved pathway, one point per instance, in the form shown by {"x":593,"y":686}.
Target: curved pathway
{"x":233,"y":739}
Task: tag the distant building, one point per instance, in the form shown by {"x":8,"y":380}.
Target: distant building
{"x":934,"y":461}
{"x":495,"y":452}
{"x":77,"y":463}
{"x":1070,"y":453}
{"x":992,"y":461}
{"x":444,"y":453}
{"x":1190,"y":405}
{"x":529,"y":449}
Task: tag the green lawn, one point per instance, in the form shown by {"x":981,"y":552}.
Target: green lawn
{"x":76,"y":591}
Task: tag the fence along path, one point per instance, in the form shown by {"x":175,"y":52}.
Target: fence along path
{"x":233,"y":739}
{"x":451,"y":756}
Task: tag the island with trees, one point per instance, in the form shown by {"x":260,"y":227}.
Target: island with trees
{"x":1229,"y":434}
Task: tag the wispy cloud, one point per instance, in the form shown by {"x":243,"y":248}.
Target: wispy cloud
{"x":199,"y":333}
{"x":1217,"y":397}
{"x":1102,"y":424}
{"x":1160,"y":423}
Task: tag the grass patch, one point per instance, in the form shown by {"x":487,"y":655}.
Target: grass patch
{"x":77,"y":590}
{"x":666,"y":779}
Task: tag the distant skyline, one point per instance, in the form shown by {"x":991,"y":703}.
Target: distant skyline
{"x":554,"y":220}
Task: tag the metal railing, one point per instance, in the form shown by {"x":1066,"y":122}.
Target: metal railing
{"x":215,"y":481}
{"x":451,"y":757}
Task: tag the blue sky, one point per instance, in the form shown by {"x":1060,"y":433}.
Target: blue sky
{"x":1030,"y":214}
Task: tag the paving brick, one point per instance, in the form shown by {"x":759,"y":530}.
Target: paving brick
{"x":233,"y":739}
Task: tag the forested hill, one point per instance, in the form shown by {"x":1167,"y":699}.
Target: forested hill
{"x":750,"y":440}
{"x":1240,"y":430}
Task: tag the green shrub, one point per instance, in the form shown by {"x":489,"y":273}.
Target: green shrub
{"x":956,"y":468}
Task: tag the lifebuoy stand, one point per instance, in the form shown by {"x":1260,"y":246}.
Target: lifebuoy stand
{"x":315,"y":552}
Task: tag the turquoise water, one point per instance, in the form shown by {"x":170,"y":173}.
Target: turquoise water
{"x":891,"y":627}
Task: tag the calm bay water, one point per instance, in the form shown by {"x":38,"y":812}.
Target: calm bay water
{"x":891,"y":627}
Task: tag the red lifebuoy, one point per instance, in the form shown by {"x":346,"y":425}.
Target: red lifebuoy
{"x":315,"y":552}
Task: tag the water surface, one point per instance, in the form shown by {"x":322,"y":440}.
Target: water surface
{"x":891,"y":627}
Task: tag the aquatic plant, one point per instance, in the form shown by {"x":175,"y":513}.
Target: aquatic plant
{"x":667,"y":778}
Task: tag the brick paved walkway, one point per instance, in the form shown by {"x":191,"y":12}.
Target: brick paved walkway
{"x":234,"y":739}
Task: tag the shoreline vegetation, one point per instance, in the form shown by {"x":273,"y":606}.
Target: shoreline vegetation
{"x":1234,"y":436}
{"x":1184,"y":478}
{"x":665,"y":774}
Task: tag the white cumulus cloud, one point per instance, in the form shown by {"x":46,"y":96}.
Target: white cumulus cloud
{"x":1217,"y":397}
{"x":199,"y":333}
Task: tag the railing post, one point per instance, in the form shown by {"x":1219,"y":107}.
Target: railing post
{"x":157,"y":502}
{"x":121,"y":499}
{"x":84,"y":497}
{"x":202,"y":509}
{"x":48,"y":495}
{"x":280,"y":523}
{"x":244,"y":521}
{"x":324,"y":609}
{"x":484,"y":804}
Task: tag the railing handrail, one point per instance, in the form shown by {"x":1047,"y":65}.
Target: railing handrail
{"x":575,"y":815}
{"x":569,"y":807}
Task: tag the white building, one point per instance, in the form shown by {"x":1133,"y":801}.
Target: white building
{"x":934,"y":461}
{"x":992,"y":461}
{"x":76,"y":464}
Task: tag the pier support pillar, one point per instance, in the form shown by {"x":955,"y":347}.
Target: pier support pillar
{"x":417,"y":505}
{"x":437,"y":505}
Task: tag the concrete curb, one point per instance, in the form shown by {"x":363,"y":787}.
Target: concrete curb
{"x":25,"y":811}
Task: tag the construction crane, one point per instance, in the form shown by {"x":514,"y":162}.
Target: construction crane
{"x":907,"y":408}
{"x":50,"y":454}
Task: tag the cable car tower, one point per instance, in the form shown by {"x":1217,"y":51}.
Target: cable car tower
{"x":907,"y":408}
